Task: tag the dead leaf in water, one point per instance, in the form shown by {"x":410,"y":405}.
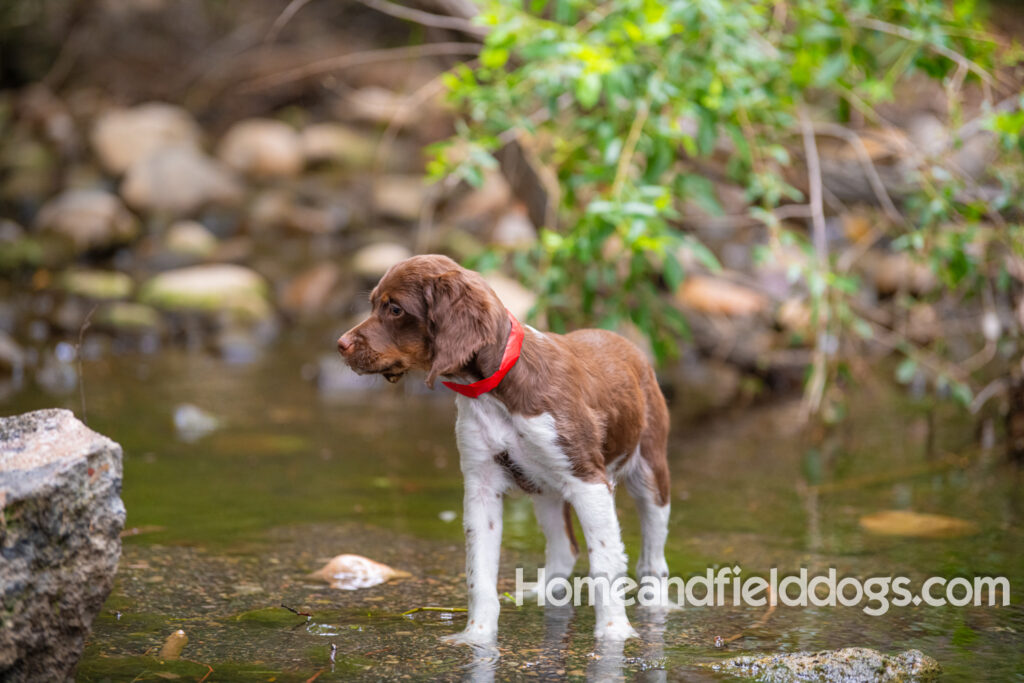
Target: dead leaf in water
{"x":351,"y":572}
{"x":174,"y":644}
{"x":916,"y":524}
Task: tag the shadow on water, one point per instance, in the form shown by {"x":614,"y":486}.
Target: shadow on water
{"x":225,"y":530}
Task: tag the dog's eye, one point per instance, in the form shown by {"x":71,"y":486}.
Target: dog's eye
{"x":395,"y":310}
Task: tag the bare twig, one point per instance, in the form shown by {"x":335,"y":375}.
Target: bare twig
{"x":816,"y":389}
{"x":78,"y":357}
{"x":426,"y":18}
{"x":414,"y":610}
{"x":875,"y":180}
{"x":353,"y":59}
{"x":907,"y":34}
{"x":629,"y":148}
{"x":295,"y":611}
{"x":283,"y":18}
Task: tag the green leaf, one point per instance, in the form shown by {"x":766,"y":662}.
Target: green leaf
{"x":588,"y":89}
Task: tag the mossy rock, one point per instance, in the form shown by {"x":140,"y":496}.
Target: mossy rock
{"x":103,"y":285}
{"x":215,"y":288}
{"x":127,"y":316}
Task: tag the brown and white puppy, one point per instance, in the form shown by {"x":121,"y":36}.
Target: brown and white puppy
{"x":576,"y":414}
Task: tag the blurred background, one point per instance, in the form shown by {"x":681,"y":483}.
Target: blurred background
{"x":808,"y":214}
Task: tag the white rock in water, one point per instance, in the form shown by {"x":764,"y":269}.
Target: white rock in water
{"x":90,"y":219}
{"x":122,"y":137}
{"x":518,"y":299}
{"x":351,"y":572}
{"x":179,"y":181}
{"x":372,"y":261}
{"x":262,"y":148}
{"x":193,"y":423}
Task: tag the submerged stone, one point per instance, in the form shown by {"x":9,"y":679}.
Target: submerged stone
{"x":60,"y":497}
{"x":849,"y":665}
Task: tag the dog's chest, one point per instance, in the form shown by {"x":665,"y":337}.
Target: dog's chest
{"x":526,"y":447}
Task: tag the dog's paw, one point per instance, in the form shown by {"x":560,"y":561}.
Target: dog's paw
{"x":615,"y":630}
{"x":475,"y":638}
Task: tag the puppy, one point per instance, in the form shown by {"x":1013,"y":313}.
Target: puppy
{"x":562,"y":417}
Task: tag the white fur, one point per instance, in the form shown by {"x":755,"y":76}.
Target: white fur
{"x":486,"y":428}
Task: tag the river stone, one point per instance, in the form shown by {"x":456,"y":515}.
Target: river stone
{"x":213,"y":288}
{"x":517,"y":299}
{"x":97,"y":284}
{"x":190,"y":238}
{"x":334,"y":143}
{"x":89,"y":219}
{"x":262,"y":148}
{"x":179,"y":181}
{"x":122,"y":137}
{"x":60,"y":488}
{"x":373,"y":260}
{"x":849,"y":665}
{"x":400,"y":196}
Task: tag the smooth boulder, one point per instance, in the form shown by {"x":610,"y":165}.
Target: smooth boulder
{"x":62,"y":515}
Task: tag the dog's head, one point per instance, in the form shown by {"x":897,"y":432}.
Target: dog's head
{"x":428,"y":313}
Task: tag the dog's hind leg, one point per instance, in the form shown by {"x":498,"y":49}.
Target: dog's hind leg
{"x":642,"y":484}
{"x":554,"y":516}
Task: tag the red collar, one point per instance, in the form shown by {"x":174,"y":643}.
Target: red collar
{"x":508,"y":360}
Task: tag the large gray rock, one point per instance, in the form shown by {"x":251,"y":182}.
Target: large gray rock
{"x":121,"y":137}
{"x":60,"y":497}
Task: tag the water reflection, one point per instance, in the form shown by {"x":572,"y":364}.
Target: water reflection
{"x":606,"y":663}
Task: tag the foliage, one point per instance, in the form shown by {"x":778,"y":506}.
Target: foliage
{"x":631,"y":103}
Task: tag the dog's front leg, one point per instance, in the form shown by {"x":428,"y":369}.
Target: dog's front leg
{"x":482,"y":511}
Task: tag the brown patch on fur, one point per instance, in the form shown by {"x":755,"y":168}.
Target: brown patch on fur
{"x":516,"y":472}
{"x":569,"y":531}
{"x":599,"y":387}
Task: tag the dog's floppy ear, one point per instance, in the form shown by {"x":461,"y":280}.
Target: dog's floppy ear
{"x":459,"y":320}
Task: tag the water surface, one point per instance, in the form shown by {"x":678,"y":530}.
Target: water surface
{"x":226,"y":529}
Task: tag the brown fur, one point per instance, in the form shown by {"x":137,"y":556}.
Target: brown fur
{"x":598,"y":386}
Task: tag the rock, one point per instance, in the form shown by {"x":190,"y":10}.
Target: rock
{"x":337,"y":144}
{"x":193,"y":423}
{"x":97,"y":284}
{"x":487,"y":200}
{"x":516,"y":298}
{"x":12,"y":358}
{"x":190,"y":238}
{"x":262,"y":148}
{"x":60,"y":486}
{"x":122,"y":137}
{"x":89,"y":219}
{"x":372,"y":261}
{"x":719,"y":297}
{"x":794,"y":315}
{"x":125,"y":316}
{"x":514,"y":229}
{"x":351,"y":572}
{"x":310,"y":292}
{"x":209,"y":289}
{"x":896,"y":272}
{"x":400,"y":196}
{"x":174,"y":645}
{"x":179,"y":181}
{"x":849,"y":665}
{"x":916,"y":524}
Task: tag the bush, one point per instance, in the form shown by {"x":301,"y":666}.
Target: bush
{"x":631,"y":102}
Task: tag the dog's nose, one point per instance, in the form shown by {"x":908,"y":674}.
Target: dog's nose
{"x":344,"y":344}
